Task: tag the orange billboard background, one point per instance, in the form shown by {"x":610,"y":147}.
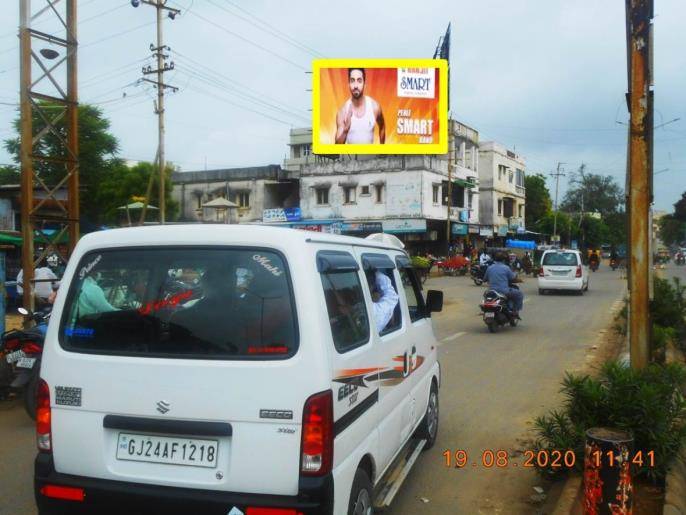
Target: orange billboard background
{"x":381,"y":85}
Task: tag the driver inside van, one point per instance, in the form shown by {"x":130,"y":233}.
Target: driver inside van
{"x":384,"y":298}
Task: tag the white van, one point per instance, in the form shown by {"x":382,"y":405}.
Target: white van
{"x":231,"y":370}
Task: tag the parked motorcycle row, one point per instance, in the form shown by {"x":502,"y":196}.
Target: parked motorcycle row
{"x":20,"y":359}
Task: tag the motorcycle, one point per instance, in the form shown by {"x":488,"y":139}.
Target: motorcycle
{"x":614,"y":264}
{"x":497,"y":310}
{"x":593,"y":265}
{"x":478,"y":272}
{"x":20,"y":357}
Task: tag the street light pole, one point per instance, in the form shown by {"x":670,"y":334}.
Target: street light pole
{"x":557,"y":176}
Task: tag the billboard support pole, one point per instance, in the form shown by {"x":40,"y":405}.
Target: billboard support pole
{"x":451,"y":150}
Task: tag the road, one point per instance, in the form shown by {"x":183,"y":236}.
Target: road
{"x":493,"y":385}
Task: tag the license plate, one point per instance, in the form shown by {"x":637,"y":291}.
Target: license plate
{"x":15,"y":356}
{"x":489,"y":314}
{"x":560,"y":272}
{"x":25,"y":362}
{"x":167,"y":450}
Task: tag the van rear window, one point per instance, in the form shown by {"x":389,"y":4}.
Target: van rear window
{"x":204,"y":303}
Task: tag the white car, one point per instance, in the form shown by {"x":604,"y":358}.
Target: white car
{"x":562,"y":270}
{"x":252,"y":380}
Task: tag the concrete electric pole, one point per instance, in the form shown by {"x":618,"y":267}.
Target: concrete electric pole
{"x":159,"y":53}
{"x":639,"y":14}
{"x":557,"y":176}
{"x":451,"y":159}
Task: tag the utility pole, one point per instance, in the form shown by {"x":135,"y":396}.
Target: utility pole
{"x":55,"y":100}
{"x":451,"y":158}
{"x":639,"y":14}
{"x":557,"y":176}
{"x":162,"y":66}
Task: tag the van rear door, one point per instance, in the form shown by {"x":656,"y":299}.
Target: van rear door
{"x":175,"y":366}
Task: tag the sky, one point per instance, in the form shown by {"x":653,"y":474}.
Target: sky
{"x":546,"y":78}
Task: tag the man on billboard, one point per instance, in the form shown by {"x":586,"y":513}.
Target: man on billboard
{"x":356,"y":119}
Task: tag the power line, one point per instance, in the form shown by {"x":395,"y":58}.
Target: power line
{"x":270,"y":29}
{"x":250,"y":42}
{"x":218,"y":83}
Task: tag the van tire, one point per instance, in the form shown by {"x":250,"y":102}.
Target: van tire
{"x":361,"y":495}
{"x":428,"y":428}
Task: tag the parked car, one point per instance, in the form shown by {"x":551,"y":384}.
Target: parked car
{"x":562,"y":270}
{"x":271,"y":391}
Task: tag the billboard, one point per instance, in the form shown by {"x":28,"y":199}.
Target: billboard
{"x":380,"y":106}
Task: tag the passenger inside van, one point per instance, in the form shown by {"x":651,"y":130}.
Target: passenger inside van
{"x":385,"y":300}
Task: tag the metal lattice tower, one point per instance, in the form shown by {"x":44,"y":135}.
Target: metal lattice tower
{"x":48,"y":95}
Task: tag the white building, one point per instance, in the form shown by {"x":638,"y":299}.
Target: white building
{"x":501,"y":190}
{"x":401,"y":194}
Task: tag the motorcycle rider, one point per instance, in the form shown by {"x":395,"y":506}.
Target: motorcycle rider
{"x":499,"y":277}
{"x":594,"y":259}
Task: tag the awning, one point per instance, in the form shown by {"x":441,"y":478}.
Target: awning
{"x":463,"y":183}
{"x":40,"y":238}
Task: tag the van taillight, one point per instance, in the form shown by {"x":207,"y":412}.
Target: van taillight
{"x":578,"y":271}
{"x":43,"y":415}
{"x":540,"y":272}
{"x":317,"y":435}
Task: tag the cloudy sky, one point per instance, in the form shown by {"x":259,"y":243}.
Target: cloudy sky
{"x":547,"y":78}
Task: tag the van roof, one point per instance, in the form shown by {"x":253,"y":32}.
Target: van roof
{"x":209,"y":234}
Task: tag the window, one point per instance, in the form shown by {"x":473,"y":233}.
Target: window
{"x":520,"y":178}
{"x":365,"y":191}
{"x":175,"y":302}
{"x":243,"y":199}
{"x":500,"y":207}
{"x":307,"y":150}
{"x":502,"y":170}
{"x":322,"y":196}
{"x":521,"y":210}
{"x":510,"y":176}
{"x":470,"y":199}
{"x":349,"y":194}
{"x":436,"y":190}
{"x":415,"y":301}
{"x":378,"y":191}
{"x":199,"y":201}
{"x":346,"y":308}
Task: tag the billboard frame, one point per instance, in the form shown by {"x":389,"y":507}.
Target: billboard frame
{"x":376,"y":148}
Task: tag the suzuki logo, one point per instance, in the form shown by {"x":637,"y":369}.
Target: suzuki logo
{"x":163,"y":407}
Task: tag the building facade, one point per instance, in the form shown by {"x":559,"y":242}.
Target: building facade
{"x":502,"y":192}
{"x":253,"y":189}
{"x":406,"y":195}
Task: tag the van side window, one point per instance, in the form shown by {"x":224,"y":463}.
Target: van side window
{"x":346,"y":308}
{"x":415,"y":301}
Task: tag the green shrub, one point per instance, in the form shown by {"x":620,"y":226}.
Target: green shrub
{"x":649,"y":403}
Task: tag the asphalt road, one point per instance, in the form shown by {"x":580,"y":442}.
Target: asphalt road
{"x":493,"y":385}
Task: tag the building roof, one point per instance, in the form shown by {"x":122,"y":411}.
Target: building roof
{"x":228,"y":174}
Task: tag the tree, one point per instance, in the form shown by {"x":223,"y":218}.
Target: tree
{"x":564,"y":225}
{"x":538,"y":202}
{"x":124,"y":185}
{"x":617,"y":227}
{"x":9,"y":175}
{"x":592,"y":193}
{"x":672,"y":230}
{"x":680,"y":208}
{"x":97,"y":147}
{"x":590,"y":231}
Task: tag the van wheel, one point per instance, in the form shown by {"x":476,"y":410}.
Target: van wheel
{"x":428,"y":429}
{"x":361,"y":495}
{"x":541,"y":291}
{"x":492,"y":328}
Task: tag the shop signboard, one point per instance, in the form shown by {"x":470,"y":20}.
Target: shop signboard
{"x":460,"y":230}
{"x":486,"y":231}
{"x":361,"y":227}
{"x":404,"y":225}
{"x":288,"y":214}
